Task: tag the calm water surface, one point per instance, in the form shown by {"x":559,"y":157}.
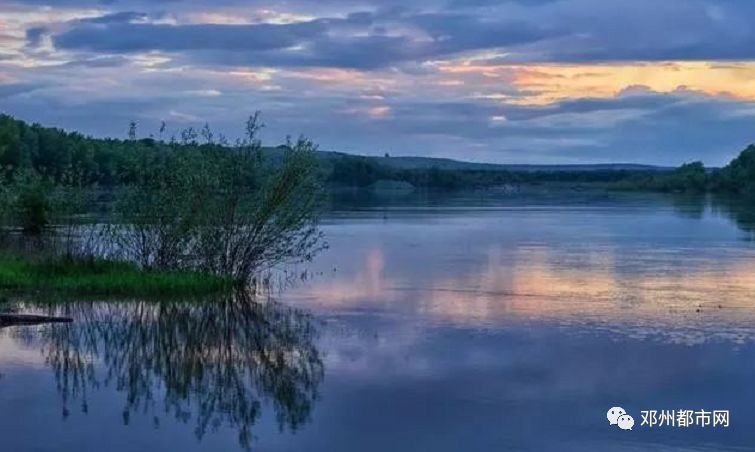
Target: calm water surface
{"x":435,"y":324}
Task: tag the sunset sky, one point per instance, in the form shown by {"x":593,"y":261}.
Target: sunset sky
{"x":521,"y":81}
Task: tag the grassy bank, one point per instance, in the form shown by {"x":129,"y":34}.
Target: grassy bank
{"x":101,"y":277}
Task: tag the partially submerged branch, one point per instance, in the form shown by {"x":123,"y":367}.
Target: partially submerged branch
{"x":7,"y":320}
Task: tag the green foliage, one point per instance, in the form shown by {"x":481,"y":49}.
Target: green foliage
{"x":39,"y":206}
{"x":6,"y":208}
{"x":220,"y":209}
{"x":739,"y":175}
{"x":53,"y":152}
{"x":26,"y":196}
{"x":358,"y":171}
{"x":688,"y":178}
{"x":100,"y":277}
{"x":691,"y":177}
{"x":193,"y":205}
{"x":35,"y":212}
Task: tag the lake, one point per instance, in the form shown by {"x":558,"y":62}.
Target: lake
{"x":432,"y":323}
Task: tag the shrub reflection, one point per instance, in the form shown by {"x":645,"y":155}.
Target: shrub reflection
{"x":211,"y":364}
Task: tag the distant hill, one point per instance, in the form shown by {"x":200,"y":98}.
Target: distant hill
{"x":446,"y":164}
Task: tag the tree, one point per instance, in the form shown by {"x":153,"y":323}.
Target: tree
{"x":132,"y":130}
{"x":690,"y":177}
{"x":223,"y":210}
{"x":739,"y":175}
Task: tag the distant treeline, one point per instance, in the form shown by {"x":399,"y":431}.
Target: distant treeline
{"x":55,"y":153}
{"x":365,"y":171}
{"x":738,"y":177}
{"x":110,"y":162}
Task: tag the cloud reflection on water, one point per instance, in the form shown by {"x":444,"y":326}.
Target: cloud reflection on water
{"x":680,"y":291}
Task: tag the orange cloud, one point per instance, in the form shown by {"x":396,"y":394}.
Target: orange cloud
{"x":545,"y":84}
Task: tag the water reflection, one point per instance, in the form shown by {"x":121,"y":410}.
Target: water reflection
{"x":678,"y":275}
{"x":690,"y":205}
{"x":739,"y":210}
{"x":513,"y":314}
{"x":637,"y":296}
{"x":212,"y":364}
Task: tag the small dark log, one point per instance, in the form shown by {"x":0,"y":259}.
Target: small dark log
{"x":23,"y":319}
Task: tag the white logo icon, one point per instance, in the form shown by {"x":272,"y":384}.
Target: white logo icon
{"x":626,"y":422}
{"x":618,"y":416}
{"x":614,"y":414}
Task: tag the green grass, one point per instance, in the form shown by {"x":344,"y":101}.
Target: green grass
{"x":101,"y":277}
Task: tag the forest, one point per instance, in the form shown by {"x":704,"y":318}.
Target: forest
{"x":56,"y":154}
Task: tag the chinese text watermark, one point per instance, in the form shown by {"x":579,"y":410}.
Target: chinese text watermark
{"x":670,"y":418}
{"x":685,"y":418}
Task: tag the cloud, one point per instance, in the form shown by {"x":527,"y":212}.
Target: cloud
{"x":647,"y":30}
{"x":13,"y":89}
{"x":357,"y":40}
{"x":125,"y":37}
{"x":381,"y":35}
{"x":518,"y":81}
{"x":119,"y":17}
